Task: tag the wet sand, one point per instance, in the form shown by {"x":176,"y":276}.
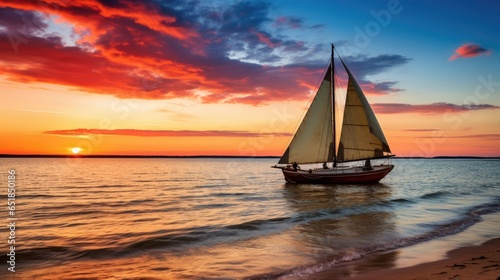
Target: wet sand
{"x":474,"y":262}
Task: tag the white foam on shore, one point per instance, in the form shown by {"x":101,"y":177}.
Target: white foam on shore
{"x":436,"y":249}
{"x":423,"y":252}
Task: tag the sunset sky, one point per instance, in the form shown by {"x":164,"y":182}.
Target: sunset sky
{"x":235,"y":77}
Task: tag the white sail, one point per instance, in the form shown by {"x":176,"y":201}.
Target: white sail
{"x":358,"y":133}
{"x":312,"y":142}
{"x":362,"y":136}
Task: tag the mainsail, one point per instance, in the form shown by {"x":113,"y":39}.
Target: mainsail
{"x":360,"y":136}
{"x":312,"y":142}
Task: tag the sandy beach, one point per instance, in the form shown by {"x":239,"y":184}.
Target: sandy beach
{"x":478,"y":262}
{"x":475,"y":262}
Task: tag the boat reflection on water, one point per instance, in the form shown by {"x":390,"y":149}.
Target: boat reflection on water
{"x":343,"y":223}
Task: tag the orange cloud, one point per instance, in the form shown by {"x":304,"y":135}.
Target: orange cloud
{"x":434,"y":108}
{"x":163,"y":133}
{"x":469,"y":50}
{"x":493,"y":136}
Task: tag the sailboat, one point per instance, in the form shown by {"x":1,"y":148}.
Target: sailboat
{"x":329,"y":138}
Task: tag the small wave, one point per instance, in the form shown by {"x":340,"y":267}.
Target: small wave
{"x":488,"y":208}
{"x":52,"y":254}
{"x":145,"y":220}
{"x":438,"y":194}
{"x":472,"y":217}
{"x":200,"y":236}
{"x":183,"y":179}
{"x":111,"y":186}
{"x":214,"y":205}
{"x":170,"y":240}
{"x":317,"y":215}
{"x":98,"y":254}
{"x":66,"y":213}
{"x":396,"y":201}
{"x":45,"y":254}
{"x":229,"y":194}
{"x":143,"y":200}
{"x":256,"y":224}
{"x":400,"y":200}
{"x":253,"y":198}
{"x":67,"y":225}
{"x":38,"y":196}
{"x":210,"y":186}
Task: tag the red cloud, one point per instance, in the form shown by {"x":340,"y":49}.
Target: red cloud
{"x":153,"y":50}
{"x":291,"y":22}
{"x":163,"y":133}
{"x":45,"y":60}
{"x":469,"y":50}
{"x":264,"y":38}
{"x":434,"y":108}
{"x":135,"y":51}
{"x":89,"y":14}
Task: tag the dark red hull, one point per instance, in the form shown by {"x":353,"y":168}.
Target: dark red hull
{"x":347,"y":176}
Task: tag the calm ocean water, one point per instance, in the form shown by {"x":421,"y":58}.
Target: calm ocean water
{"x":226,"y":218}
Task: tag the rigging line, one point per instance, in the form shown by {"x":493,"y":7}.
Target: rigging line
{"x":325,"y":129}
{"x":318,"y":152}
{"x":332,"y":96}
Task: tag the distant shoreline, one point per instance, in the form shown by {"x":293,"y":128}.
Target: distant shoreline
{"x":449,"y":157}
{"x":128,"y":156}
{"x":203,"y":156}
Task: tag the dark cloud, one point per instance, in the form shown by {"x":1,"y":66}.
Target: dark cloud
{"x":244,"y":16}
{"x":380,"y":88}
{"x":113,"y":3}
{"x":363,"y":66}
{"x":22,"y":22}
{"x":317,"y":26}
{"x":288,"y":22}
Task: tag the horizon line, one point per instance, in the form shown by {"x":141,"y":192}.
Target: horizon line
{"x":209,"y":156}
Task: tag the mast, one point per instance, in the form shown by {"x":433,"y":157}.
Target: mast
{"x":332,"y":92}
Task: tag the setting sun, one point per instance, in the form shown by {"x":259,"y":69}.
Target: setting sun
{"x":76,"y":150}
